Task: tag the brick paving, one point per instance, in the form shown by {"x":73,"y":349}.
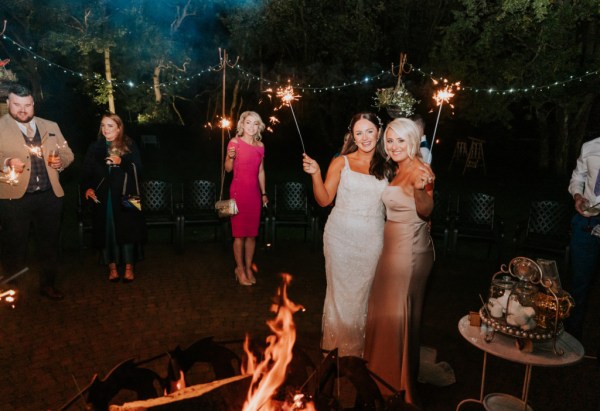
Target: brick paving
{"x":49,"y":349}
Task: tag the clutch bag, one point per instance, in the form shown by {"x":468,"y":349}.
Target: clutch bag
{"x":226,"y":208}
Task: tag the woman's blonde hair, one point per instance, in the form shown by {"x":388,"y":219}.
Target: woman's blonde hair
{"x":240,"y":124}
{"x":410,"y":131}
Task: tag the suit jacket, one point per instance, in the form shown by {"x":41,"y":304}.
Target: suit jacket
{"x":12,"y":145}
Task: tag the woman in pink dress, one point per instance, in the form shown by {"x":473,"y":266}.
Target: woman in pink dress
{"x":245,"y":154}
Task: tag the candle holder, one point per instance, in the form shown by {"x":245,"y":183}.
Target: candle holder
{"x":526,"y":301}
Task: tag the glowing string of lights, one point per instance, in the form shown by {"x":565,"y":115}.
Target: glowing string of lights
{"x":309,"y":87}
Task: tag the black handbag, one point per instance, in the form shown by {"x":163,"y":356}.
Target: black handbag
{"x":131,"y":201}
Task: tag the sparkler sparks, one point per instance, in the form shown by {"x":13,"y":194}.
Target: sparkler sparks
{"x":287,"y":96}
{"x":442,"y":96}
{"x":35,"y":150}
{"x":10,"y":178}
{"x":9,"y":297}
{"x":225,"y":123}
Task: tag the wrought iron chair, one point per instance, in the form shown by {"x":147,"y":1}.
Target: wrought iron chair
{"x":546,"y":231}
{"x":197,"y":206}
{"x":291,"y":208}
{"x":84,"y":219}
{"x":159,"y":209}
{"x":476,"y":219}
{"x":442,"y":219}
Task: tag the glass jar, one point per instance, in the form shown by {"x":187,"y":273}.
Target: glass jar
{"x":521,"y":310}
{"x":500,"y":291}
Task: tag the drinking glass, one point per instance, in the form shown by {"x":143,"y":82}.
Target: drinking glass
{"x":53,"y":156}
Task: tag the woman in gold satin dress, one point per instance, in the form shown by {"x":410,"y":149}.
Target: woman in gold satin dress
{"x":396,"y":300}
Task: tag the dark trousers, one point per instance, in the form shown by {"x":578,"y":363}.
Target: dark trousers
{"x":585,"y":268}
{"x":42,"y":213}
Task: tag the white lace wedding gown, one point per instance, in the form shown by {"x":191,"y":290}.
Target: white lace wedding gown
{"x":353,"y":240}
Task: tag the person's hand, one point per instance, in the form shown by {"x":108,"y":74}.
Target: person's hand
{"x":55,"y":162}
{"x":581,"y":204}
{"x":113,"y":159}
{"x":91,"y":194}
{"x":424,"y":178}
{"x":231,"y":152}
{"x":265,"y":200}
{"x":309,"y":165}
{"x":17,"y":164}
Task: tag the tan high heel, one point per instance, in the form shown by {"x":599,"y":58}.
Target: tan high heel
{"x":129,"y":276}
{"x":241,"y":278}
{"x":250,"y":276}
{"x":113,"y":274}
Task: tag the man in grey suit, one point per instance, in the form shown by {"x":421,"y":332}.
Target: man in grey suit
{"x":37,"y":151}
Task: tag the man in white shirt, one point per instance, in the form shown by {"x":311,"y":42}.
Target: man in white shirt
{"x":585,"y":231}
{"x":424,"y":147}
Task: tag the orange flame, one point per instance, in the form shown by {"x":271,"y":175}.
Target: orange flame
{"x":177,"y":385}
{"x":270,"y":373}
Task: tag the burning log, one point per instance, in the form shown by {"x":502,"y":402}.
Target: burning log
{"x":225,"y":395}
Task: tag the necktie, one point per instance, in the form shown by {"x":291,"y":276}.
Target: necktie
{"x":30,"y":132}
{"x":597,"y":186}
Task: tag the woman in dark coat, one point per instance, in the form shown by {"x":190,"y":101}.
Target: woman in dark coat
{"x":111,"y":171}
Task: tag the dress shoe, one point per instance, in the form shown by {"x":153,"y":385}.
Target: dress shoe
{"x":113,"y":274}
{"x":51,"y":293}
{"x":129,"y":276}
{"x":240,"y":277}
{"x":250,"y":276}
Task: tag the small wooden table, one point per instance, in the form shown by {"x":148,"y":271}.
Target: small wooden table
{"x":503,"y":346}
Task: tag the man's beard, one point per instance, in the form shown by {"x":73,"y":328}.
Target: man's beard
{"x":27,"y":120}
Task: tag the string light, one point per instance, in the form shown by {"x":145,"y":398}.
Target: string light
{"x":492,"y":91}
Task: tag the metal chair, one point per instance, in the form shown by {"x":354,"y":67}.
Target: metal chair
{"x":197,"y":206}
{"x":476,"y":219}
{"x":291,"y":208}
{"x":546,"y":231}
{"x":159,"y":209}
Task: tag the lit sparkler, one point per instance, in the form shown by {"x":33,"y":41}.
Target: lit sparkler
{"x":287,"y":96}
{"x":10,"y":178}
{"x":9,"y":297}
{"x":225,"y":123}
{"x":442,"y":96}
{"x":35,"y":150}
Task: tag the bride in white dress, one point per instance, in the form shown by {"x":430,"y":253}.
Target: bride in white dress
{"x":353,"y":236}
